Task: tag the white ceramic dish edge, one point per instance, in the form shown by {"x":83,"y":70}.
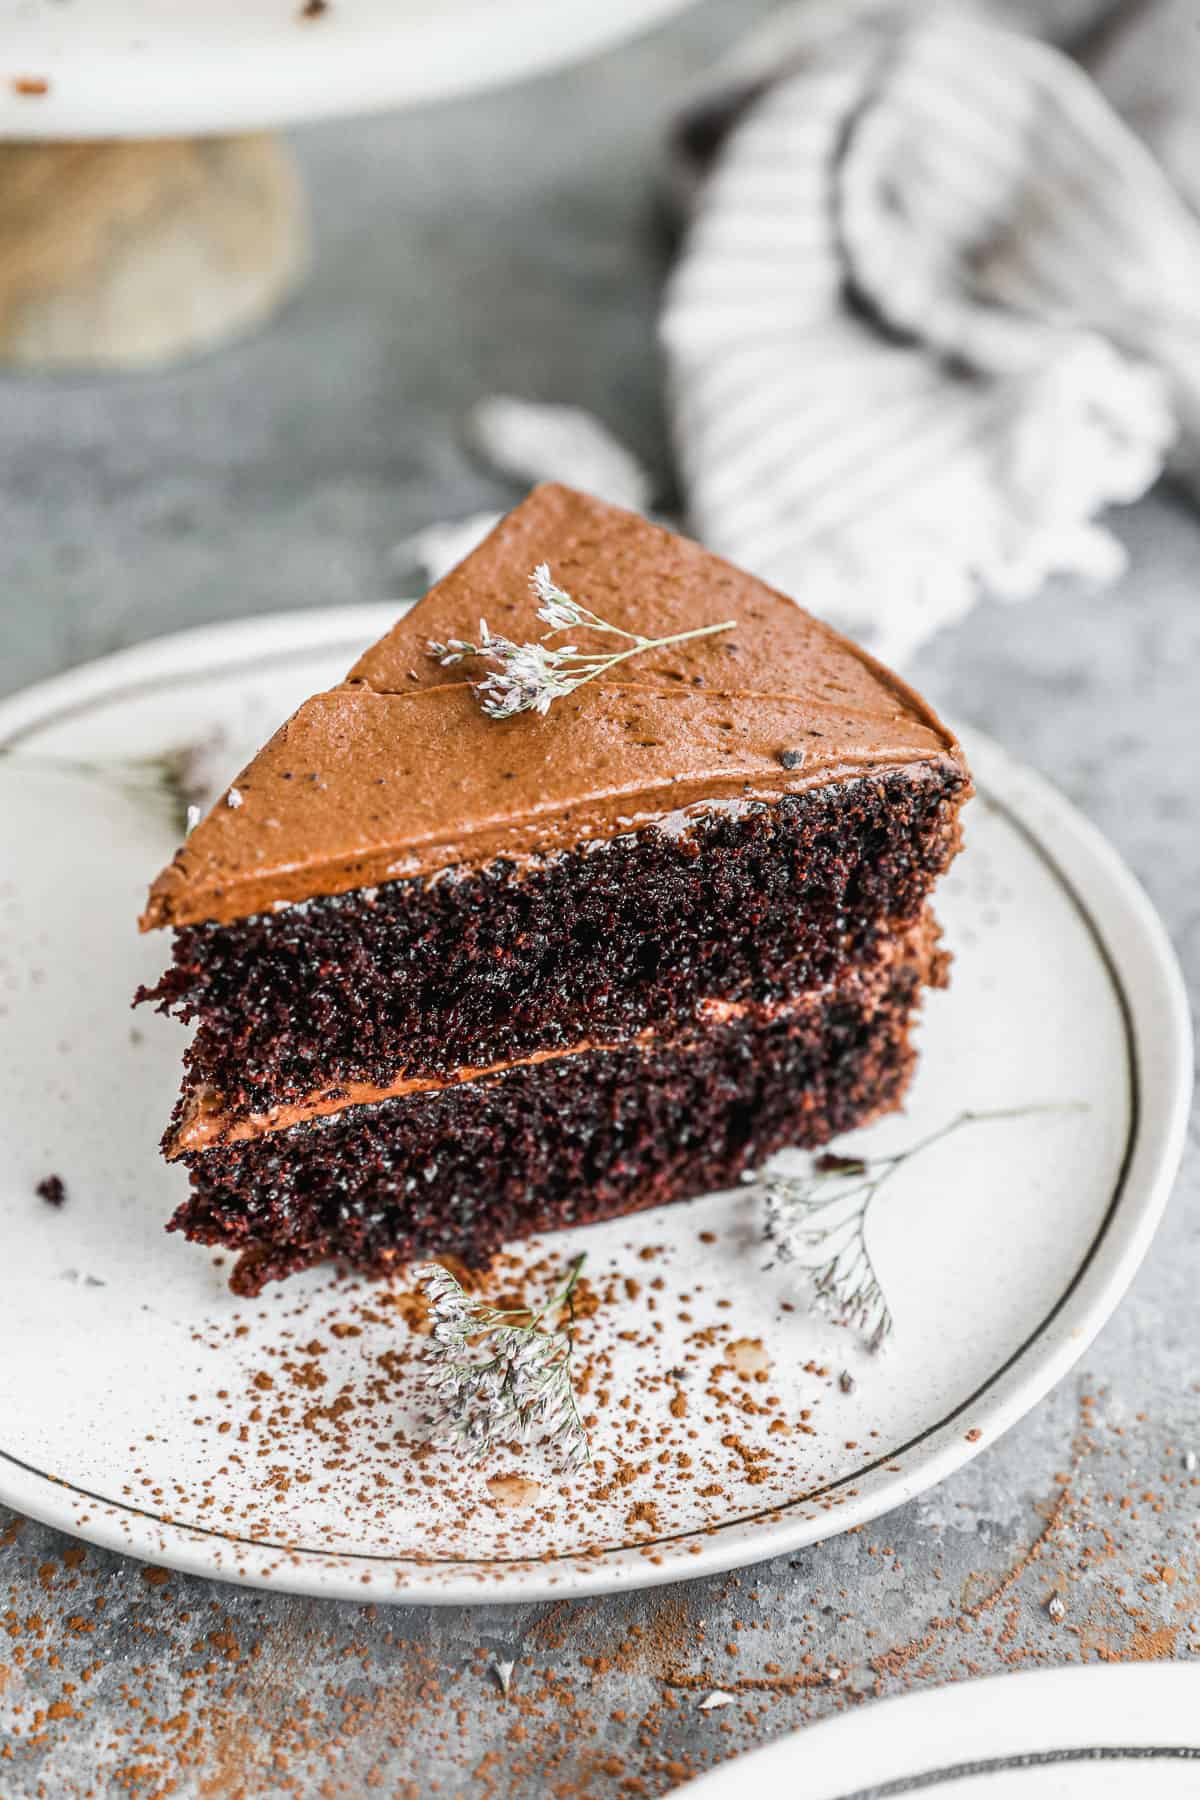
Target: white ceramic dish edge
{"x":917,"y":1740}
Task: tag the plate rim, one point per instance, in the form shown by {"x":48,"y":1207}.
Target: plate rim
{"x":1149,"y":987}
{"x":1155,"y":1694}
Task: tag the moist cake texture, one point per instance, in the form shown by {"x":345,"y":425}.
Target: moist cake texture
{"x":456,"y":979}
{"x":566,"y":1142}
{"x":419,"y":979}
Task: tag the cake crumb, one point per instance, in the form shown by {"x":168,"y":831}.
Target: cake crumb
{"x":717,"y":1698}
{"x":52,"y":1189}
{"x":503,"y":1671}
{"x":513,"y":1490}
{"x":747,"y":1356}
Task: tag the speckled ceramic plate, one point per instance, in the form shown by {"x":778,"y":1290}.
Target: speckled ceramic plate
{"x":1124,"y":1732}
{"x":147,"y":1408}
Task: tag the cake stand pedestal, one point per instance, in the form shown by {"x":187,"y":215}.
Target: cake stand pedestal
{"x":144,"y":215}
{"x":138,"y":253}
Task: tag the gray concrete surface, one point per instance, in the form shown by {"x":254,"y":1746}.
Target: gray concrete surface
{"x":509,"y":245}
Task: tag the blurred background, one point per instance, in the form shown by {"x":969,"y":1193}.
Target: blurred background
{"x":516,"y":243}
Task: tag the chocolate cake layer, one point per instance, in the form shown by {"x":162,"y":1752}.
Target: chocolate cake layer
{"x":557,"y":1143}
{"x":756,"y":903}
{"x":612,"y":946}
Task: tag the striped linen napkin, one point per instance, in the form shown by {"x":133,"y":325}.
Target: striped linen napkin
{"x":937,"y":307}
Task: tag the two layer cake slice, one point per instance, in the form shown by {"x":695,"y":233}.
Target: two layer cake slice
{"x":458,"y":978}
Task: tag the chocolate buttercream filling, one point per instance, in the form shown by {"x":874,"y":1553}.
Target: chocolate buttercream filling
{"x":206,"y":1120}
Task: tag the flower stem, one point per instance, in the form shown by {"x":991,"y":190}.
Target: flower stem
{"x":566,"y":1287}
{"x":983,"y":1117}
{"x":565,"y":1297}
{"x":638,"y":644}
{"x":605,"y":663}
{"x":681,"y":637}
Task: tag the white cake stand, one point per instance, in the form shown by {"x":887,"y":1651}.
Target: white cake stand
{"x":146,"y":211}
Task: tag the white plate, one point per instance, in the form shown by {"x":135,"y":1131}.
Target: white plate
{"x":1116,"y":1732}
{"x":1002,"y":1250}
{"x":142,"y":68}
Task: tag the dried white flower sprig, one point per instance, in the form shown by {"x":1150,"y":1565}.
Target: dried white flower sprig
{"x":530,"y":677}
{"x":500,"y":1375}
{"x":818,"y":1221}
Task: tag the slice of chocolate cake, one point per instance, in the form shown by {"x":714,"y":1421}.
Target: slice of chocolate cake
{"x":458,"y":977}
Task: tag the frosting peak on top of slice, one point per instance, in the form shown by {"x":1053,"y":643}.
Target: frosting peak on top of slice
{"x":398,"y":772}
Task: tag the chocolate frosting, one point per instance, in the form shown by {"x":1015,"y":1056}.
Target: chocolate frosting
{"x":397,"y":772}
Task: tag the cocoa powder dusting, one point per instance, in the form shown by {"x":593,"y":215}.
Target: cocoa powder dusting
{"x":228,"y":1694}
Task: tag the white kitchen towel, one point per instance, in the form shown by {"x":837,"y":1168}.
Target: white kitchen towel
{"x":938,"y":306}
{"x":1145,"y":57}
